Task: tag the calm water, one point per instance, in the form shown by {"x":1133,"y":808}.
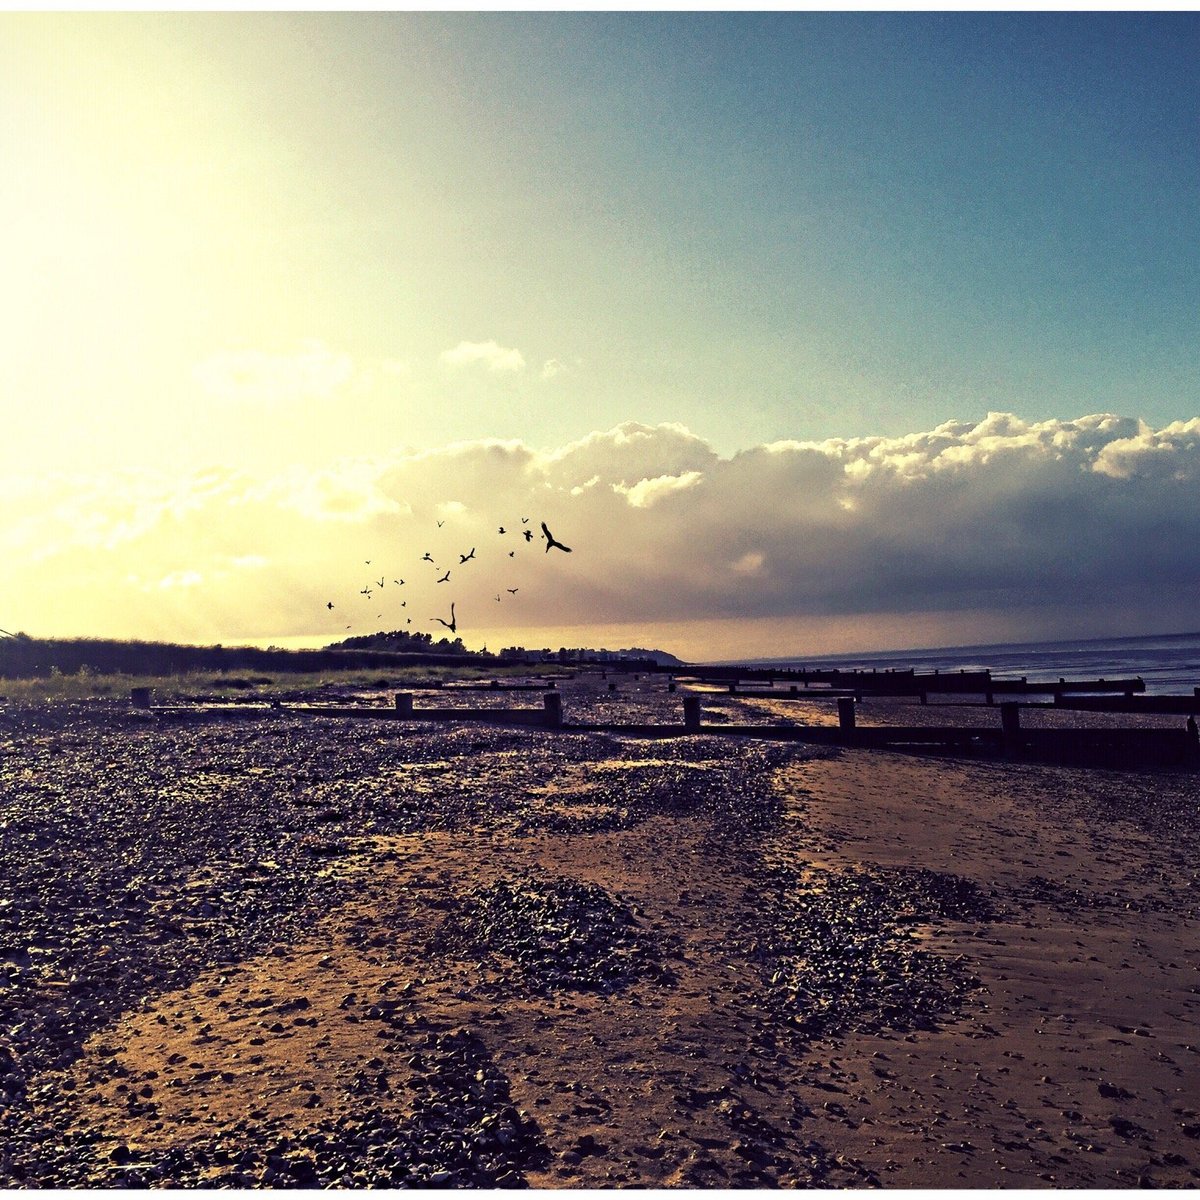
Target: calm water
{"x":1169,"y":663}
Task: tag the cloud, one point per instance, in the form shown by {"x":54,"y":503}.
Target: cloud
{"x":488,"y":354}
{"x":1170,"y":453}
{"x":1053,"y":524}
{"x":627,"y":454}
{"x":647,"y":492}
{"x":750,"y":563}
{"x":259,"y":377}
{"x":181,"y":579}
{"x":347,"y":492}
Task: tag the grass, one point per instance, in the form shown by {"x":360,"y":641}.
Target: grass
{"x":195,"y":684}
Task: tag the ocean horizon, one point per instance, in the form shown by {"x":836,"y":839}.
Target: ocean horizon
{"x":1168,"y":663}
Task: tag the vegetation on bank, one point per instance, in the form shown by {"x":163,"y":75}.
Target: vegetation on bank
{"x":23,"y":657}
{"x":197,"y":685}
{"x":51,"y":669}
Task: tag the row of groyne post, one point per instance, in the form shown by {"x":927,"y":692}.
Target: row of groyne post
{"x":860,"y":684}
{"x":1096,"y":746}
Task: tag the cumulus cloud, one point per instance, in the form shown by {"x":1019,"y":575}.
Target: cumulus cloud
{"x":1169,"y":453}
{"x":647,"y":492}
{"x":1057,"y":520}
{"x":488,"y":354}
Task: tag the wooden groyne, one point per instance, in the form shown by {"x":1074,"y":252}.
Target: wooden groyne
{"x":806,"y":684}
{"x":1120,"y":748}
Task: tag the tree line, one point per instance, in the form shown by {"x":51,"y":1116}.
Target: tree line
{"x":23,"y":657}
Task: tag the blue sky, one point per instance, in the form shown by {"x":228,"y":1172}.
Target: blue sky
{"x":838,"y":223}
{"x":277,"y":243}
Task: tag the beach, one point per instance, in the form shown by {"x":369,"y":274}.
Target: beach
{"x":266,"y":949}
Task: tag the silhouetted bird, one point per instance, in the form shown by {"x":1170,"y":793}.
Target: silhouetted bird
{"x":381,"y":583}
{"x":551,"y":542}
{"x":399,"y":581}
{"x":502,"y":529}
{"x":497,"y":597}
{"x":524,"y":520}
{"x":403,"y":603}
{"x":512,"y":554}
{"x":365,"y":592}
{"x":440,"y":524}
{"x":528,"y":535}
{"x":428,"y":557}
{"x":450,"y":624}
{"x":329,"y":605}
{"x":513,"y":591}
{"x":462,"y":558}
{"x":444,"y":577}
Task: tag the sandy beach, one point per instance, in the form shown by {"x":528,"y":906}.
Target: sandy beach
{"x":279,"y":950}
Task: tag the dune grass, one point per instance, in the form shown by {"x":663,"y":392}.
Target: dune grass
{"x":191,"y":685}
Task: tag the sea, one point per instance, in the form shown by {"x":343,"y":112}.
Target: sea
{"x":1169,"y":664}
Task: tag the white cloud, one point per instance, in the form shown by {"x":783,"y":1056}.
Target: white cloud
{"x":259,"y":377}
{"x":647,"y":492}
{"x":1149,"y":453}
{"x":347,"y":492}
{"x":627,"y":454}
{"x":181,"y":579}
{"x":1046,"y":519}
{"x":489,"y":354}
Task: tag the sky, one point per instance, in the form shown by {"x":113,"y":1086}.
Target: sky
{"x":807,"y":331}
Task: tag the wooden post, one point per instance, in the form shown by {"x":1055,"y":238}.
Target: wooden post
{"x":691,"y":712}
{"x":845,"y":714}
{"x":733,"y":687}
{"x":1010,"y":723}
{"x":404,"y":704}
{"x":671,"y":686}
{"x":139,"y":697}
{"x":795,"y":690}
{"x":612,"y":687}
{"x":553,"y":705}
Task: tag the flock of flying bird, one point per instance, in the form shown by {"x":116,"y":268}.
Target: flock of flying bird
{"x":552,"y":543}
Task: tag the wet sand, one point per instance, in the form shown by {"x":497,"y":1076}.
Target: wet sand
{"x":285,"y":951}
